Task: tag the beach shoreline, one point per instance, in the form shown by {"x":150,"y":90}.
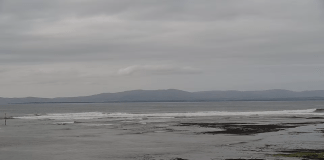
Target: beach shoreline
{"x":222,"y":137}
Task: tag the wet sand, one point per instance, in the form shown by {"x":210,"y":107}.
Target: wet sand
{"x":199,"y":138}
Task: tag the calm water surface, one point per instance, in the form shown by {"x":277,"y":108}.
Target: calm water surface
{"x":237,"y":106}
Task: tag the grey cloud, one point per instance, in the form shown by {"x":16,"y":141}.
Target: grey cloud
{"x":222,"y":38}
{"x":157,"y":70}
{"x":138,"y":34}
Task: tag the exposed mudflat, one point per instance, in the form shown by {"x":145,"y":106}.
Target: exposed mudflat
{"x":316,"y":154}
{"x":239,"y":128}
{"x":180,"y":138}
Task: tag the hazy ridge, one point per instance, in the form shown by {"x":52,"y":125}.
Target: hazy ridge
{"x":173,"y":95}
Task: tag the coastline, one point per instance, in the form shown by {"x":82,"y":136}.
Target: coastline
{"x":255,"y":137}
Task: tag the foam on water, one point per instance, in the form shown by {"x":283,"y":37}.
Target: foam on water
{"x":66,"y":116}
{"x":63,"y":123}
{"x":96,"y":125}
{"x":97,"y":115}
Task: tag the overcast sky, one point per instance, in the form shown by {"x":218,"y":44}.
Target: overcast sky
{"x":55,"y":48}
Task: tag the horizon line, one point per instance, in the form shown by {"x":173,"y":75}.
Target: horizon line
{"x":163,"y":90}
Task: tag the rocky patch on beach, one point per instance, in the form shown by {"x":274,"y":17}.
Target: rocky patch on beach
{"x":316,"y":154}
{"x":243,"y":159}
{"x":246,"y":128}
{"x":240,"y":128}
{"x":315,"y":118}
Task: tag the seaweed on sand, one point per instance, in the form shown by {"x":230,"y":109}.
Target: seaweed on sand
{"x":319,"y":156}
{"x":299,"y":153}
{"x":178,"y":159}
{"x":243,"y":159}
{"x":240,"y":128}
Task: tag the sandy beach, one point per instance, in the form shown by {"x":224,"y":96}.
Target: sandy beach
{"x":152,"y":138}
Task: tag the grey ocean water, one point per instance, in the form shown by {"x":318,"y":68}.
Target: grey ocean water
{"x":148,"y":131}
{"x":16,"y":110}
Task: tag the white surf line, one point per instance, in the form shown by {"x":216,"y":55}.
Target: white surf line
{"x":98,"y":115}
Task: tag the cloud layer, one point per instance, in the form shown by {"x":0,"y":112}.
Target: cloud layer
{"x":70,"y":47}
{"x":157,"y":70}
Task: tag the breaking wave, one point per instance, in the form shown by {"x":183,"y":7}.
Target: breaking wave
{"x":319,"y":110}
{"x":98,"y":115}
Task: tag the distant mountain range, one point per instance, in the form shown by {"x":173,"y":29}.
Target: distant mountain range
{"x":173,"y":95}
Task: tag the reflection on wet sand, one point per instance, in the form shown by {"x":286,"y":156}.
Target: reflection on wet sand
{"x":203,"y":137}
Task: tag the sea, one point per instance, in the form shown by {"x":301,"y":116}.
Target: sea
{"x":76,"y":111}
{"x":165,"y":131}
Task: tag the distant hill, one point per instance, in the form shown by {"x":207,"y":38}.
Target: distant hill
{"x":173,"y":95}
